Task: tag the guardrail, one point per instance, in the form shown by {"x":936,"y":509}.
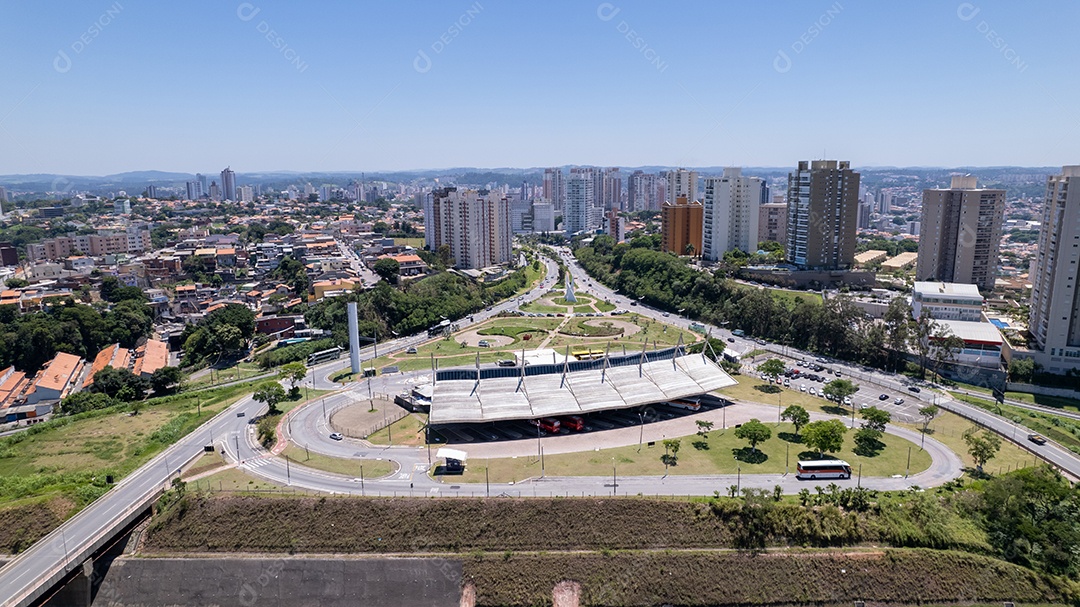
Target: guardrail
{"x":54,"y":574}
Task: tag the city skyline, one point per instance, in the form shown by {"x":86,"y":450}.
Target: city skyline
{"x":273,"y":85}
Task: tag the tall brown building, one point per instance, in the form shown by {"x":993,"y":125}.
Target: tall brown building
{"x":772,"y":222}
{"x":682,"y":226}
{"x":961,"y":233}
{"x":823,"y":213}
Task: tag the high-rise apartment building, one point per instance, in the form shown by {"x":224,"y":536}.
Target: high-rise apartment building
{"x":681,"y":226}
{"x":554,"y":188}
{"x":645,"y":192}
{"x":245,"y":193}
{"x":731,"y":214}
{"x":194,"y":190}
{"x":1055,"y":275}
{"x":228,"y":184}
{"x":865,"y":210}
{"x":961,"y":233}
{"x":580,"y":213}
{"x":611,"y":195}
{"x":682,"y":183}
{"x":214,"y":191}
{"x":823,"y":213}
{"x":474,"y":224}
{"x":3,"y":194}
{"x":614,"y":225}
{"x":772,"y":222}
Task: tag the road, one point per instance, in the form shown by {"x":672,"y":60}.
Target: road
{"x":233,"y":430}
{"x":896,"y":386}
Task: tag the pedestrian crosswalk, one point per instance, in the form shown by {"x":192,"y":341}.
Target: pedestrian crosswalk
{"x":255,"y":462}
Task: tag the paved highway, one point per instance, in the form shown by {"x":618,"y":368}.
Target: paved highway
{"x":233,"y":431}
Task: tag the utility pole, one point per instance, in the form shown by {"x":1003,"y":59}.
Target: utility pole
{"x":288,"y":473}
{"x":361,"y":480}
{"x":908,"y":469}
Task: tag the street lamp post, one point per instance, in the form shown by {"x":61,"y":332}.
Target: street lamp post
{"x":641,"y":433}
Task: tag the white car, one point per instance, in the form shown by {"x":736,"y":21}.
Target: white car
{"x":813,"y":392}
{"x":787,"y":383}
{"x":847,"y":400}
{"x":802,"y":387}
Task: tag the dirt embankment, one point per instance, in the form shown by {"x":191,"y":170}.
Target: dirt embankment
{"x":612,"y":551}
{"x":890,"y":577}
{"x":21,"y":526}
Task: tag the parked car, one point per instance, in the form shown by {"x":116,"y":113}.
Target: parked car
{"x":483,"y":343}
{"x":898,"y":401}
{"x":507,"y":362}
{"x":802,"y":387}
{"x":883,"y":397}
{"x":813,"y":391}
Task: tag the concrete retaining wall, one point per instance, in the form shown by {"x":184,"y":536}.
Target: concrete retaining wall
{"x":282,"y":582}
{"x":1043,"y":390}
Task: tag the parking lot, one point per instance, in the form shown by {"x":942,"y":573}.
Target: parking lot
{"x":590,"y":422}
{"x":814,"y":374}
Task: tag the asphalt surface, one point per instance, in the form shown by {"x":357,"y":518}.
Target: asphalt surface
{"x":233,"y":430}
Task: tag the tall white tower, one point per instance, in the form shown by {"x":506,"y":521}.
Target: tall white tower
{"x":354,"y":338}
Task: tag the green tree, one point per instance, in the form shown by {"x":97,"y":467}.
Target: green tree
{"x":387,"y":269}
{"x":825,"y":435}
{"x":229,"y":338}
{"x":703,"y":428}
{"x":120,"y":383}
{"x":898,"y":326}
{"x":271,"y":393}
{"x":293,"y":373}
{"x":16,"y":283}
{"x":875,"y":418}
{"x":773,"y":366}
{"x":166,"y":379}
{"x":928,"y":413}
{"x":982,"y":446}
{"x":671,"y":452}
{"x":798,"y":416}
{"x":1022,"y":369}
{"x":920,"y":339}
{"x":753,"y":432}
{"x":840,"y":389}
{"x":868,"y":442}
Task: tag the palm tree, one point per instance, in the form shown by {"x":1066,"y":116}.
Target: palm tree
{"x":690,"y":249}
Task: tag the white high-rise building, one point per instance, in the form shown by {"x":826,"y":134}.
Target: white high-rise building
{"x":194,"y":190}
{"x":580,"y":213}
{"x":682,"y":183}
{"x":474,"y":224}
{"x":611,"y":195}
{"x":732,"y":212}
{"x":245,"y":193}
{"x":543,"y":216}
{"x":1055,"y":275}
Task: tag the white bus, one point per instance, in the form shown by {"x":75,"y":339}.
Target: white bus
{"x":823,"y":468}
{"x":691,"y":404}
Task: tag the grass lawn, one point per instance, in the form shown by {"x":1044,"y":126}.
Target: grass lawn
{"x":603,"y":306}
{"x":416,"y":243}
{"x":337,"y":465}
{"x":948,"y":429}
{"x":1060,"y":429}
{"x":407,"y":431}
{"x":591,"y":327}
{"x":1057,"y":402}
{"x":72,"y":455}
{"x":786,"y":296}
{"x":539,"y":308}
{"x":207,"y":462}
{"x":233,"y":480}
{"x":719,"y":457}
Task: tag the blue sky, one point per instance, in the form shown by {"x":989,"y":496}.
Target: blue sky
{"x":104,"y":86}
